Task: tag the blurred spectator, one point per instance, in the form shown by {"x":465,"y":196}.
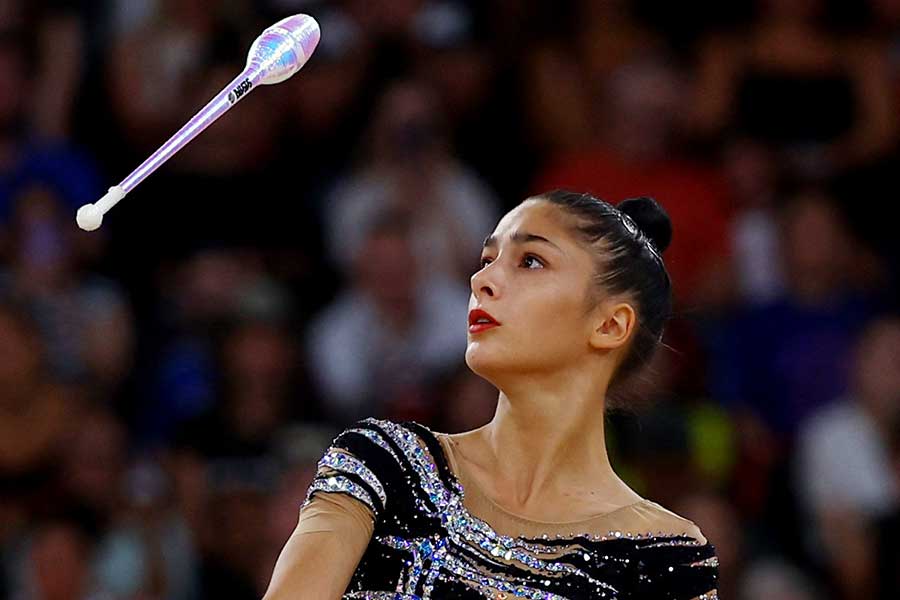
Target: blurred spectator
{"x":784,"y":359}
{"x":449,"y":59}
{"x":844,"y":452}
{"x":752,"y":176}
{"x":823,"y":99}
{"x":256,"y":394}
{"x":201,"y":295}
{"x":151,"y":551}
{"x":372,"y":350}
{"x":86,"y":320}
{"x":61,"y":48}
{"x":26,"y":159}
{"x":845,"y":466}
{"x":409,"y":170}
{"x":58,"y":564}
{"x":140,"y":544}
{"x":635,"y":156}
{"x":775,"y":364}
{"x":233,"y":556}
{"x":92,"y":469}
{"x":152,"y":68}
{"x":567,"y":73}
{"x":320,"y":128}
{"x":477,"y":93}
{"x":37,"y":414}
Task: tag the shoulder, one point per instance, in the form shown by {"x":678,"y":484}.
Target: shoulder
{"x":375,"y":438}
{"x":673,"y":556}
{"x":374,"y":460}
{"x":361,"y":462}
{"x":648,"y":517}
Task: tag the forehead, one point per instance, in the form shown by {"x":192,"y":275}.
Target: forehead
{"x":533,"y":216}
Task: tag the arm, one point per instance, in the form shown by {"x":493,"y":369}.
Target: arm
{"x":318,"y":560}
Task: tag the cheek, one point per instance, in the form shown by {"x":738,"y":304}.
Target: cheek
{"x":551,"y":316}
{"x":555,"y":333}
{"x":545,"y":326}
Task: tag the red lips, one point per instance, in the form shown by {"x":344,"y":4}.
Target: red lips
{"x":479,"y":320}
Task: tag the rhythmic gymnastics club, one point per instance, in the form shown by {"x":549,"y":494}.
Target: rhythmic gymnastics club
{"x":279,"y":52}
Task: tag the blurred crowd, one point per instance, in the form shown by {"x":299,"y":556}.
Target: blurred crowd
{"x":168,"y":382}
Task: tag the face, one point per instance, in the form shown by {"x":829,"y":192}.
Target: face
{"x":537,"y":291}
{"x":878,"y":369}
{"x":57,"y":562}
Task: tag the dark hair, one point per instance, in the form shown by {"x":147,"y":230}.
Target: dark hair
{"x":629,"y":239}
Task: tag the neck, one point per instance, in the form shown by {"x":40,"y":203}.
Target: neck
{"x":548,"y":438}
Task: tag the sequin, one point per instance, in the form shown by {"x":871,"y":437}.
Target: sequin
{"x":341,"y":461}
{"x":343,"y":485}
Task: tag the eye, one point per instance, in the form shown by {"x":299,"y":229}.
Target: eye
{"x":534,"y":258}
{"x":527,"y":259}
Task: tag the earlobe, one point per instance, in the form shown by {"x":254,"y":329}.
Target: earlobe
{"x":613,"y":327}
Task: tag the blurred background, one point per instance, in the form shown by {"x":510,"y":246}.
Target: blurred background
{"x":166,"y":387}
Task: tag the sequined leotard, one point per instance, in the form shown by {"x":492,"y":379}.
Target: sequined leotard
{"x":428,"y":540}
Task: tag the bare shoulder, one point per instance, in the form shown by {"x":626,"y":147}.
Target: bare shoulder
{"x":649,"y":517}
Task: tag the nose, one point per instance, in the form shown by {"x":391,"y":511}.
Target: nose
{"x":483,"y":283}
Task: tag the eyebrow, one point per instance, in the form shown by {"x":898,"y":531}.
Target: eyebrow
{"x":520,"y":237}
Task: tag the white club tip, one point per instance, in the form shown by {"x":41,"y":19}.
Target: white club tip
{"x":89,"y":217}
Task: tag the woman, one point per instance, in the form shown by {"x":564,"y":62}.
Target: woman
{"x":572,"y":294}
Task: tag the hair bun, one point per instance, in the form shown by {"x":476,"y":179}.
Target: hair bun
{"x":651,"y":219}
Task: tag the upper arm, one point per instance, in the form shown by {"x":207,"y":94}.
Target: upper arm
{"x":337,"y":521}
{"x":321,"y":555}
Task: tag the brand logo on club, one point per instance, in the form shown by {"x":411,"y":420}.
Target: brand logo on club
{"x":239,"y":90}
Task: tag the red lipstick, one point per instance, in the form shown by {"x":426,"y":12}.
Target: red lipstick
{"x":480,"y":320}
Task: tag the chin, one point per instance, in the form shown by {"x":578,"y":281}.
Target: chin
{"x":487,"y":362}
{"x":478,"y":357}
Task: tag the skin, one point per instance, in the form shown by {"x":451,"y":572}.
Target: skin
{"x":543,"y":455}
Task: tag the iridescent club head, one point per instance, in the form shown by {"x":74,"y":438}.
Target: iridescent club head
{"x":283,"y":48}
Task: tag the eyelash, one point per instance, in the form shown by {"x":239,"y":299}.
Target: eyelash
{"x":525,"y":257}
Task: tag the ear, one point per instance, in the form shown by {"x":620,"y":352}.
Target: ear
{"x":613,"y":326}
